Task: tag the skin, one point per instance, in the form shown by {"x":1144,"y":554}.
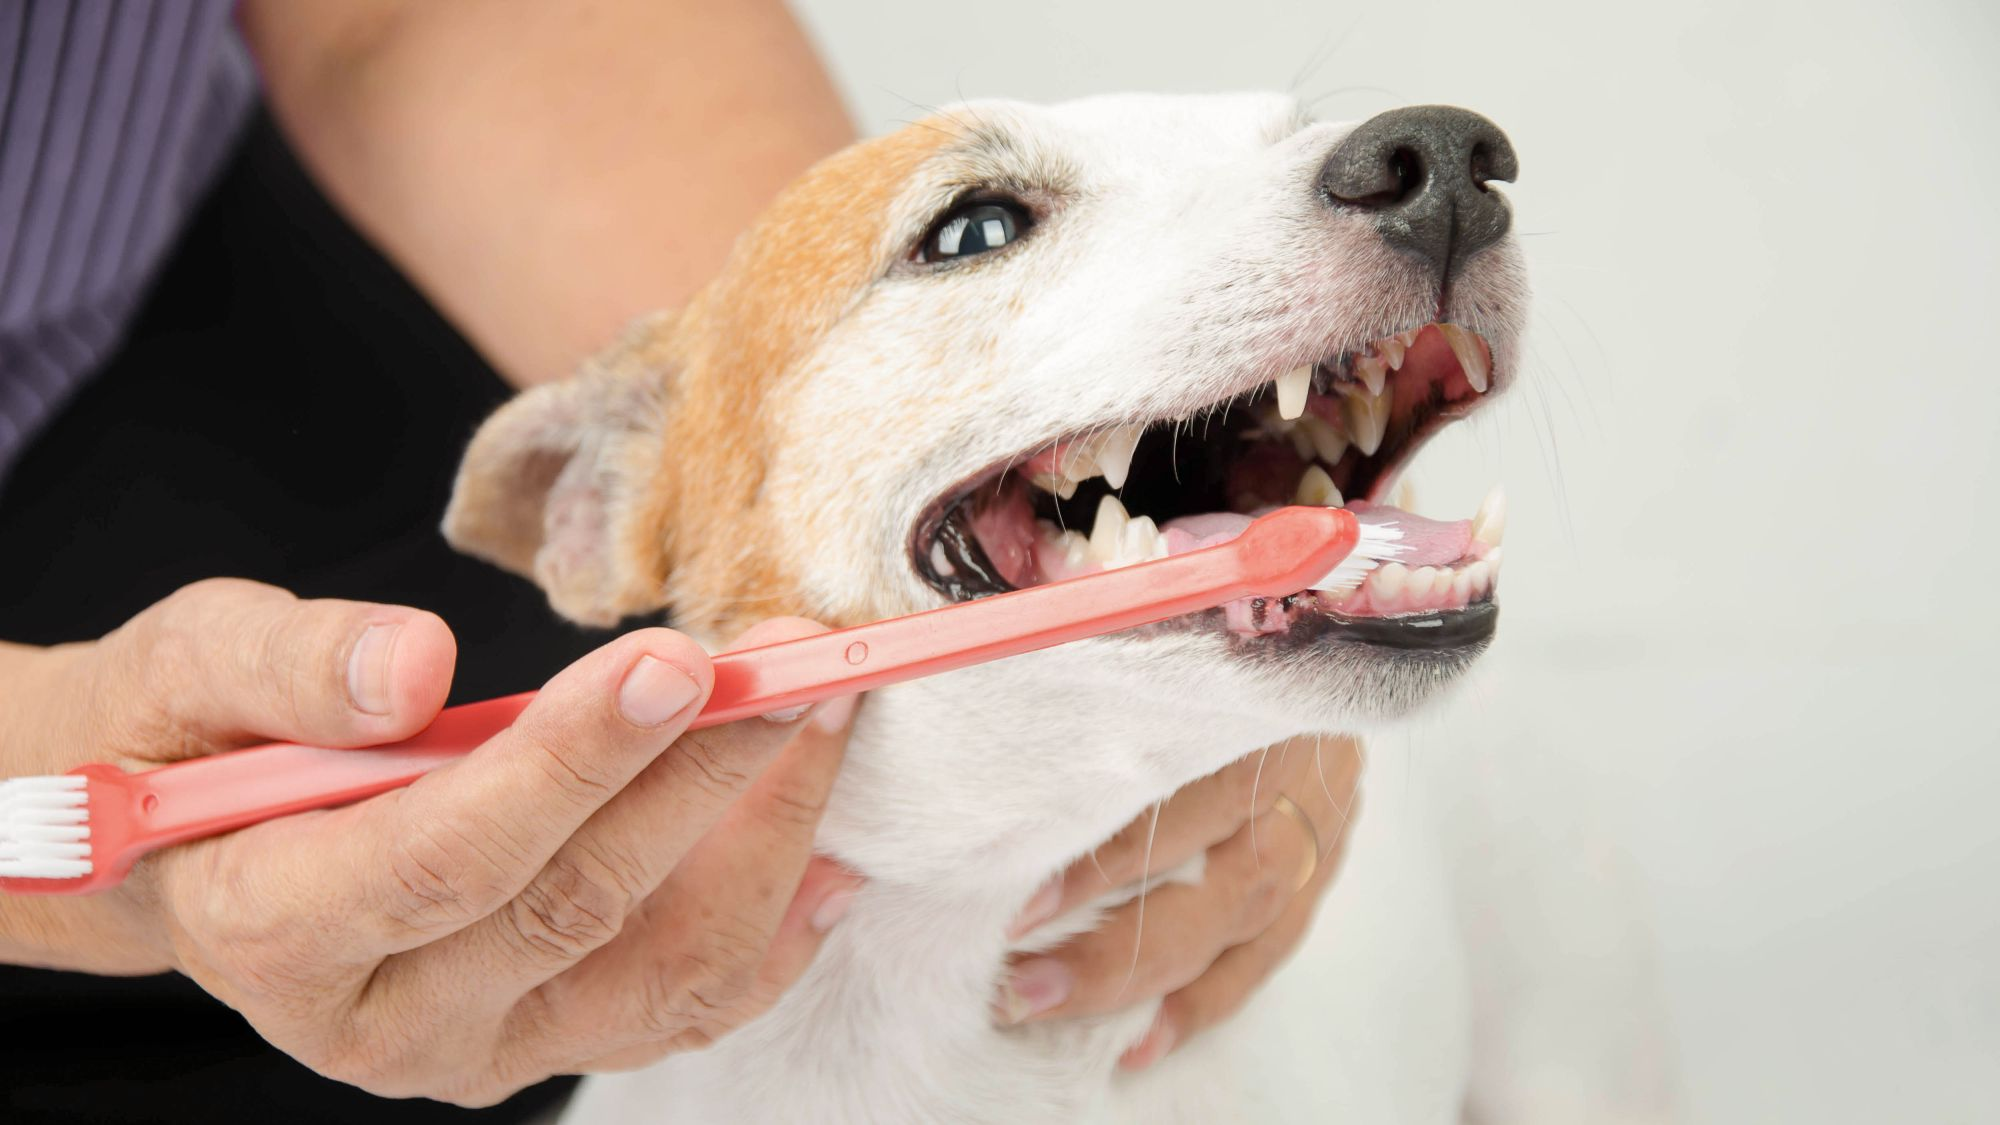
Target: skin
{"x":590,"y":889}
{"x":545,"y":173}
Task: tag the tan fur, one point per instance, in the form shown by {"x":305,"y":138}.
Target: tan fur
{"x":691,"y":532}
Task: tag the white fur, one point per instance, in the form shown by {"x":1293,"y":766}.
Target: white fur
{"x":1186,"y":258}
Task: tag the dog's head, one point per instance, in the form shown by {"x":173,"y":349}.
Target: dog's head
{"x":940,"y":361}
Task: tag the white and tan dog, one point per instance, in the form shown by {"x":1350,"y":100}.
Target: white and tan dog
{"x":938,"y":353}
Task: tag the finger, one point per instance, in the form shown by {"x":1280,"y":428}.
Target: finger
{"x":580,"y":899}
{"x":1237,"y":973}
{"x":463,"y":840}
{"x":1158,"y":943}
{"x":821,"y":900}
{"x":729,"y":929}
{"x":224,"y":662}
{"x":1194,"y":819}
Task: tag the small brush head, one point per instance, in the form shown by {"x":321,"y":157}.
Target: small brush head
{"x":1376,"y":545}
{"x":44,"y":827}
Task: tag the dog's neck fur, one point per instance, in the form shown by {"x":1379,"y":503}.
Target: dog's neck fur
{"x":894,"y":1021}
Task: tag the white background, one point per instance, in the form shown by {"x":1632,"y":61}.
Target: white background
{"x":1750,"y":564}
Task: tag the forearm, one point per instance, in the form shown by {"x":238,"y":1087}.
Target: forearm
{"x":546,"y":172}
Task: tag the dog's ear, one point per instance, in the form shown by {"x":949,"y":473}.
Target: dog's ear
{"x":550,"y":485}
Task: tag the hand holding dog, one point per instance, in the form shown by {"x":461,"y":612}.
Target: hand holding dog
{"x":591,"y":889}
{"x":1201,"y":949}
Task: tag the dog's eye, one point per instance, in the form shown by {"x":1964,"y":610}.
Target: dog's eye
{"x":974,"y":228}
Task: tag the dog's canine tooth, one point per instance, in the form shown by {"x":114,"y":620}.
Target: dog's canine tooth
{"x":1108,"y":532}
{"x":1267,"y":417}
{"x":1328,"y":442}
{"x":1470,"y":359}
{"x":1113,"y":453}
{"x":1317,"y":489}
{"x":1372,"y":371}
{"x":939,"y":562}
{"x":1490,"y":524}
{"x":1367,"y":417}
{"x":1293,"y":386}
{"x":1392,"y":350}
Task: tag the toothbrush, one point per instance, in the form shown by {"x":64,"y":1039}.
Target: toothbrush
{"x":82,"y":831}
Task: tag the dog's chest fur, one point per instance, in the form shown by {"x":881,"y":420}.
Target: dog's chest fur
{"x":1367,"y":1022}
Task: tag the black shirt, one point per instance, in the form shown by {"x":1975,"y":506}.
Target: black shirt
{"x":286,"y":408}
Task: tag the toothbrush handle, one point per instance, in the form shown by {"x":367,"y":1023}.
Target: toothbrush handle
{"x":1278,"y":554}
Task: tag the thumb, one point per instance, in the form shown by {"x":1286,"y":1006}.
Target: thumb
{"x":226,"y":662}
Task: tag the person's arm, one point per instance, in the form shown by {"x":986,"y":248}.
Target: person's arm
{"x":515,"y":914}
{"x":548,"y":172}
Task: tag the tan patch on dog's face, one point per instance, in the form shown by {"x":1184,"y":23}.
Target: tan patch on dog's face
{"x":715,"y":548}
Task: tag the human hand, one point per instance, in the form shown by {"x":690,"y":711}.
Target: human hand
{"x":590,"y":889}
{"x":1273,"y":825}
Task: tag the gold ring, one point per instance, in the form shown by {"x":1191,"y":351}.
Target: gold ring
{"x":1285,"y":805}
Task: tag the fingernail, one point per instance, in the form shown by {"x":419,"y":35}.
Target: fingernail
{"x":1035,"y":987}
{"x":832,"y":716}
{"x":833,"y":907}
{"x":368,"y":684}
{"x":1039,"y":908}
{"x":654,"y":691}
{"x":1152,"y":1048}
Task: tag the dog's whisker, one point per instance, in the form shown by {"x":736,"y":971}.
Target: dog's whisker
{"x":1145,"y":887}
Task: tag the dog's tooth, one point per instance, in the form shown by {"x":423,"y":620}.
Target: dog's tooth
{"x":1327,"y":442}
{"x":1109,"y":530}
{"x":1492,"y":563}
{"x":1114,"y":454}
{"x":1433,"y":581}
{"x":1372,"y":371}
{"x":1470,"y":359}
{"x":1317,"y":489}
{"x":1392,"y":349}
{"x":1078,"y":462}
{"x":1389,"y":580}
{"x":940,"y":563}
{"x":1302,"y":442}
{"x":1267,"y":416}
{"x":1293,"y":386}
{"x":1054,"y":483}
{"x":1409,"y":338}
{"x":1076,"y":548}
{"x":1461,"y":584}
{"x":1490,"y":524}
{"x":1367,"y":418}
{"x":1139,"y":541}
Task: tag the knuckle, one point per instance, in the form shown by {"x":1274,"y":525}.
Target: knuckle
{"x":796,"y":804}
{"x":434,"y":887}
{"x":568,"y":910}
{"x":566,"y":759}
{"x":706,"y":763}
{"x":699,"y":989}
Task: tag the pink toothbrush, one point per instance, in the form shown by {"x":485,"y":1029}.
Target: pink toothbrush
{"x":82,"y":831}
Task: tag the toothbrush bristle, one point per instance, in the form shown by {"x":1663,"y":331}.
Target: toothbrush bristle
{"x":1376,"y":545}
{"x":45,"y":828}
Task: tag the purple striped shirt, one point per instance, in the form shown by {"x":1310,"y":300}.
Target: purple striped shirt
{"x":114,"y":116}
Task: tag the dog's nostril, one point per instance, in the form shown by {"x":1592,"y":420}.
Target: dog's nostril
{"x":1422,"y":173}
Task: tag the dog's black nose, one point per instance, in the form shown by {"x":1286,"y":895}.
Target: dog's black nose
{"x":1422,"y":173}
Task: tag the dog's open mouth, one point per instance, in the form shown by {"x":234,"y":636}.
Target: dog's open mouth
{"x":1334,"y":433}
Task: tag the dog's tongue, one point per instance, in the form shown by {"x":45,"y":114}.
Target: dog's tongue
{"x":1426,"y":542}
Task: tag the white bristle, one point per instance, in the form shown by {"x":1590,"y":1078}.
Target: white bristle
{"x":1377,"y":544}
{"x":44,"y":829}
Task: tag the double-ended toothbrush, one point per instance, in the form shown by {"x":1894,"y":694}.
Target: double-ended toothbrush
{"x":82,"y":831}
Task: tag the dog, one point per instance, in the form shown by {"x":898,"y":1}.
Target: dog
{"x":1011,"y":343}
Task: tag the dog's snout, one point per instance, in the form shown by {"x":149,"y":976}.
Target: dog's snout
{"x":1422,"y":172}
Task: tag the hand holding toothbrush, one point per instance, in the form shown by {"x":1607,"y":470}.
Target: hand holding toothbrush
{"x":459,"y":938}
